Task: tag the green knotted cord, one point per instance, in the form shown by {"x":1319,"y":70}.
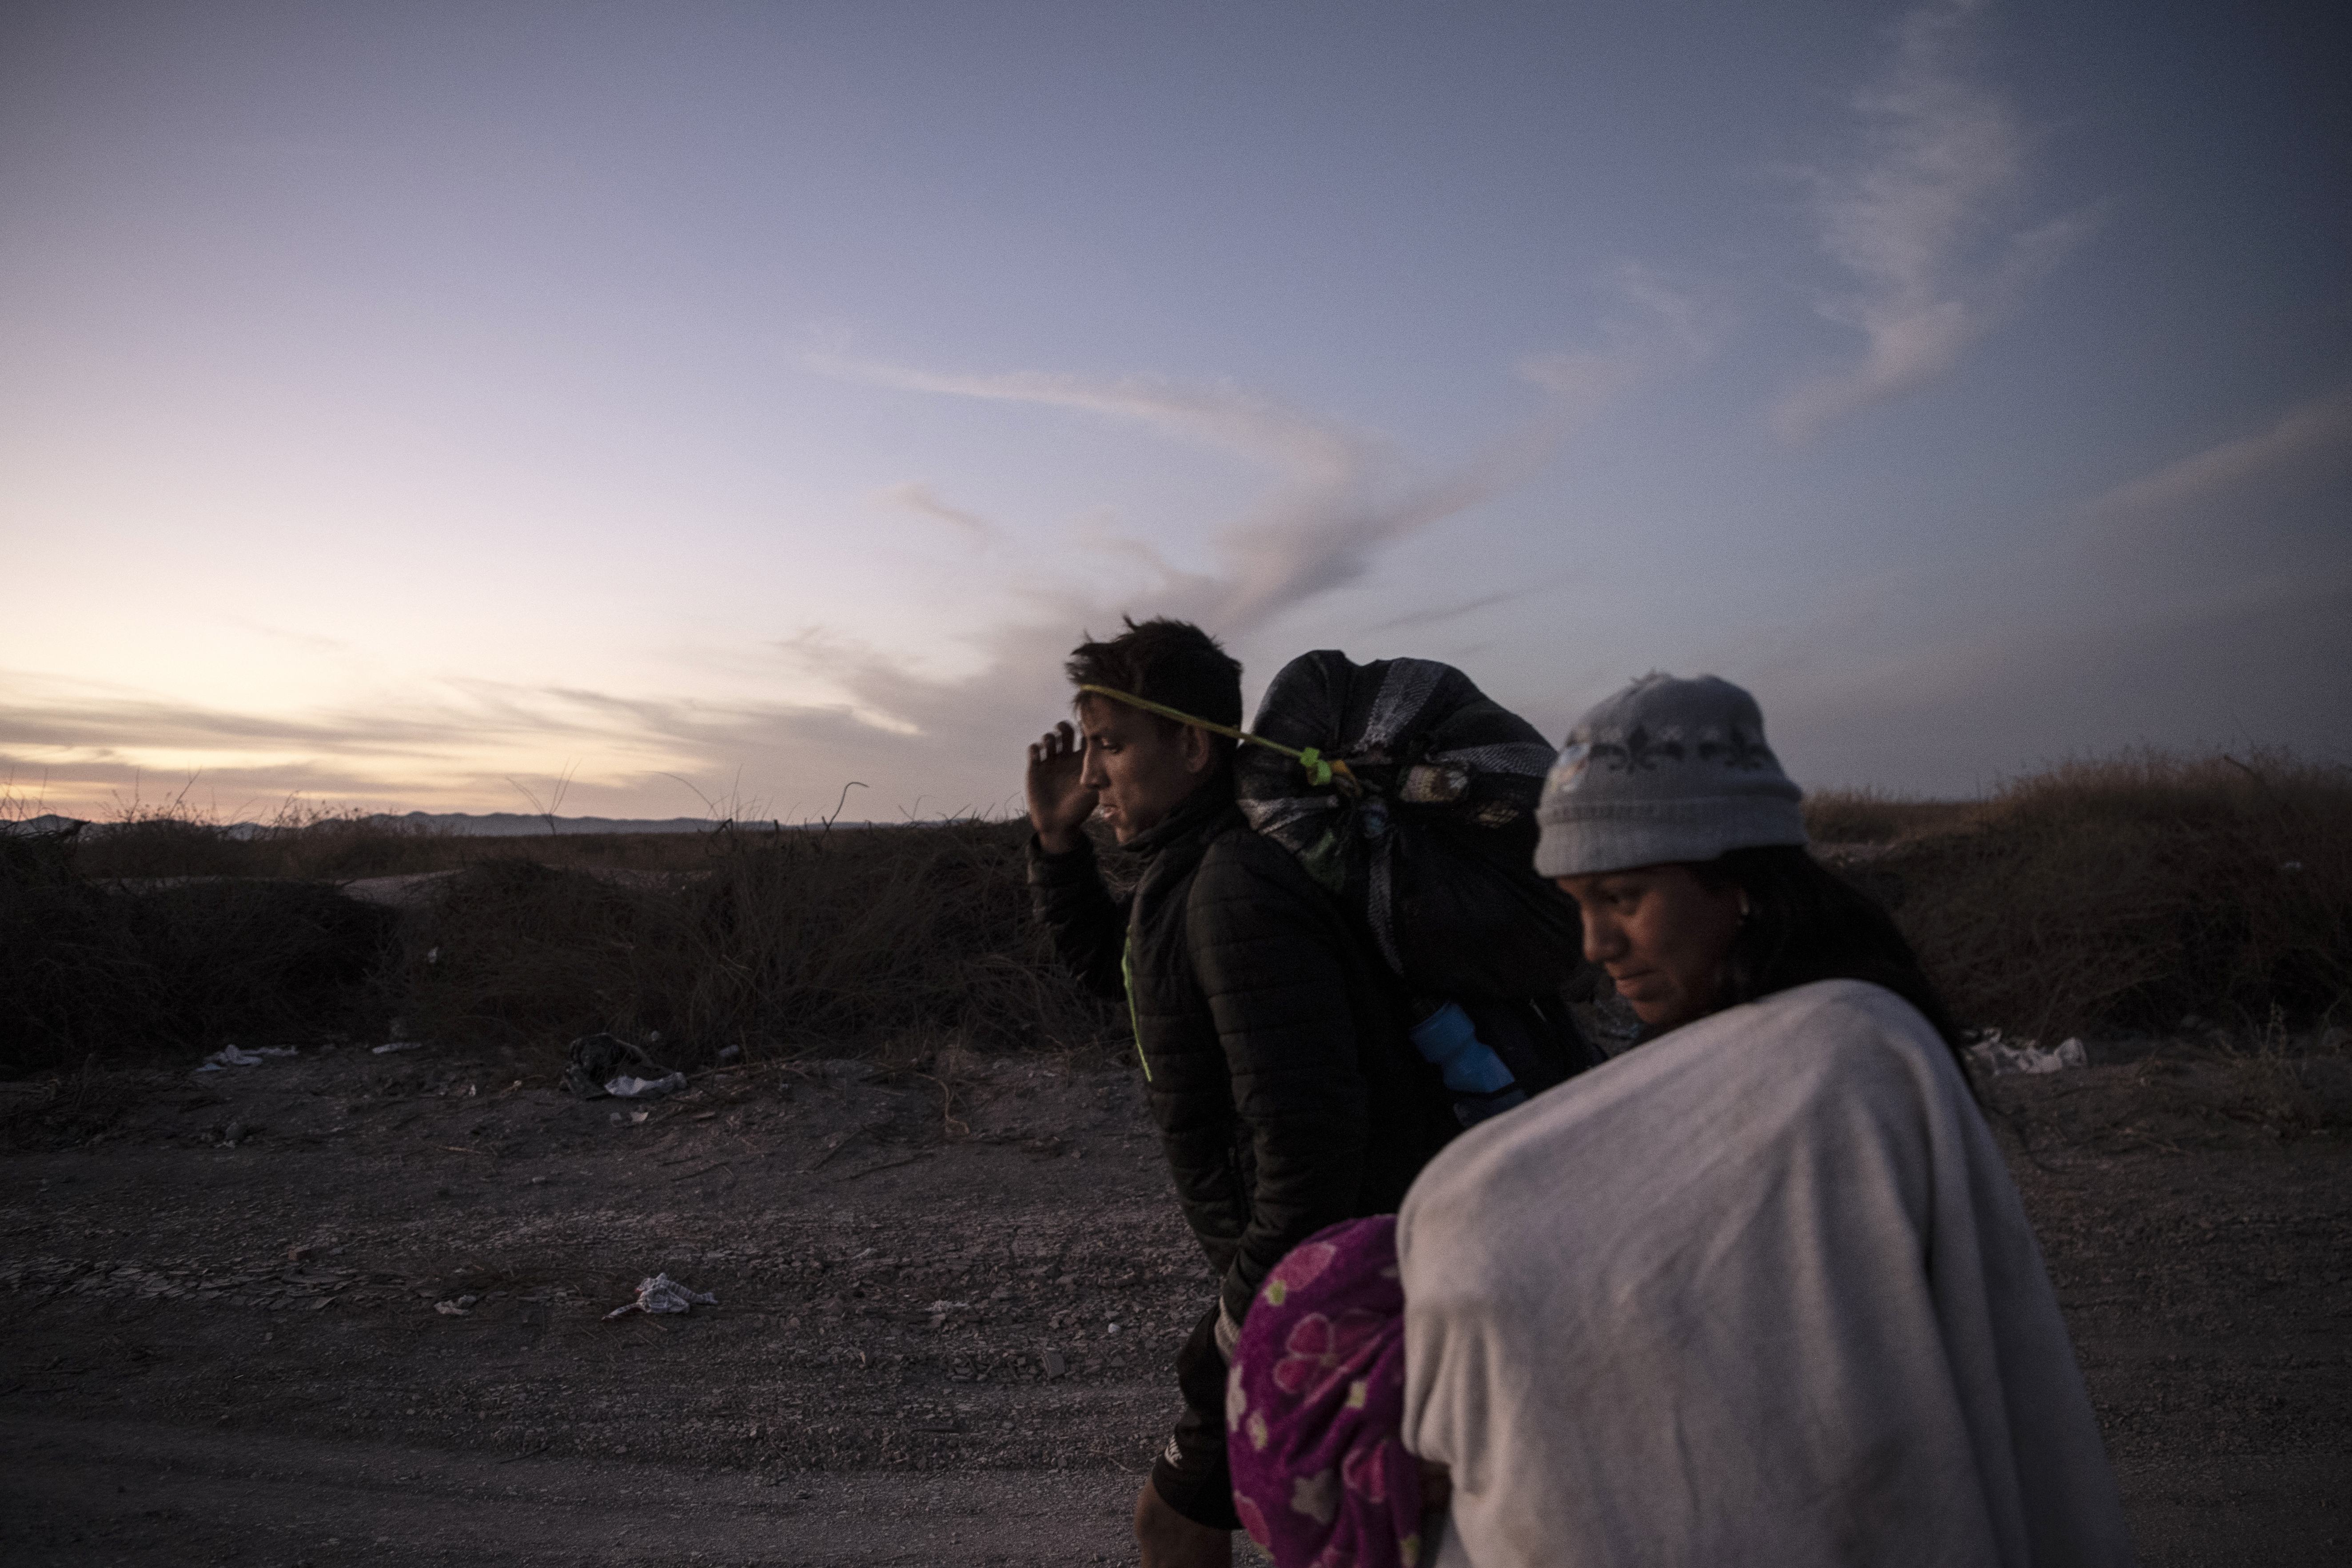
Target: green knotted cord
{"x":1319,"y":769}
{"x":1134,"y":1019}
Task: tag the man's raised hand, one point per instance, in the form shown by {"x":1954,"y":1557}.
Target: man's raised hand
{"x":1059,"y":803}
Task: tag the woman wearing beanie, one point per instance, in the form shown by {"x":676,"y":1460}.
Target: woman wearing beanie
{"x":1762,"y":1290}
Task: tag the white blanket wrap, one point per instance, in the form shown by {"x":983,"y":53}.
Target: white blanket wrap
{"x":1758,"y":1293}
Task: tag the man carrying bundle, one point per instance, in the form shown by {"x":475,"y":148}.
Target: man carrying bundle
{"x":1280,"y":1071}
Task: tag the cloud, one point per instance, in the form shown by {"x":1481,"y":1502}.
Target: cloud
{"x":447,"y":742}
{"x":106,"y":720}
{"x":1448,"y":612}
{"x":1917,"y":221}
{"x":311,"y":642}
{"x":1337,"y":493}
{"x":1692,"y":322}
{"x":2305,"y":448}
{"x":1336,"y":497}
{"x":917,"y":497}
{"x":1339,"y":496}
{"x":1222,"y":416}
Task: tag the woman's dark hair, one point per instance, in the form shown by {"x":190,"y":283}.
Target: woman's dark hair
{"x":1806,"y":924}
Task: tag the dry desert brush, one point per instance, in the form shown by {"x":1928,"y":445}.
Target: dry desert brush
{"x":2097,"y":896}
{"x":783,"y":942}
{"x":1880,"y":816}
{"x":93,"y":971}
{"x":2129,"y":892}
{"x":164,"y":932}
{"x":297,"y":842}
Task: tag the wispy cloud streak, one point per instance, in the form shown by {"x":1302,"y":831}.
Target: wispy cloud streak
{"x":446,"y":741}
{"x":2304,"y":446}
{"x":1917,"y":221}
{"x":917,"y":497}
{"x":1450,"y":612}
{"x":1339,"y":496}
{"x":1336,"y":497}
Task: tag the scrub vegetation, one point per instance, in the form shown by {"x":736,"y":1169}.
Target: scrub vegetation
{"x":347,"y":1297}
{"x":167,"y":933}
{"x":2144,"y":894}
{"x":2148,"y":893}
{"x":875,"y":941}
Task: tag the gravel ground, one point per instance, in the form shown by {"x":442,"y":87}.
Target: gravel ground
{"x":345,"y":1307}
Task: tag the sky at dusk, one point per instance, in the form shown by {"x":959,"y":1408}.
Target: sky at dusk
{"x":408,"y":406}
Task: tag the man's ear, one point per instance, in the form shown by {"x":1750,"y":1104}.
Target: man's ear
{"x":1200,"y":750}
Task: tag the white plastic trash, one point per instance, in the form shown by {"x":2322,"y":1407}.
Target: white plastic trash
{"x":626,"y":1087}
{"x":663,"y":1294}
{"x":230,"y":1056}
{"x":1999,"y":1058}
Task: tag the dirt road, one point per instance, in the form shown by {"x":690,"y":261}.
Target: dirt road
{"x":372,"y":1328}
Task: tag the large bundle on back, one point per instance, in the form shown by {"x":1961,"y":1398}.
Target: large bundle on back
{"x":1424,"y":830}
{"x":1429,"y":834}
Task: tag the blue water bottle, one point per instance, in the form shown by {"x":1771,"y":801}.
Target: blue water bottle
{"x":1482,"y":1085}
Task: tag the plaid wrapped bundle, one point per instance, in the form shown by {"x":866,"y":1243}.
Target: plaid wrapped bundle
{"x":1314,"y":1403}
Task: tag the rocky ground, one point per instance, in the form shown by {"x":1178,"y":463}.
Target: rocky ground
{"x":346,"y":1307}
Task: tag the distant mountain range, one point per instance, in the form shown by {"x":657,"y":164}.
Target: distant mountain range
{"x":513,"y":824}
{"x":488,"y":825}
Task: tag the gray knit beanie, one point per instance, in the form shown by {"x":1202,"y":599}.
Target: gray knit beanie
{"x":1666,"y":770}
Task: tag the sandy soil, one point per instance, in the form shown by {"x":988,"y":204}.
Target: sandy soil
{"x":947,"y":1310}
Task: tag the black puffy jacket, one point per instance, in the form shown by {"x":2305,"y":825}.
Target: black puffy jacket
{"x":1286,"y":1090}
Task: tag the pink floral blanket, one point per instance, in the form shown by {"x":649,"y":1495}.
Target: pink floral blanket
{"x":1314,"y":1403}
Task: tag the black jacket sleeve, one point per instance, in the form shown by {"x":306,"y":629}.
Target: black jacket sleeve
{"x":1087,"y":926}
{"x":1268,"y":955}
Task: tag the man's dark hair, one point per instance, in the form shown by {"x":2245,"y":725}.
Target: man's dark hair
{"x":1174,"y":663}
{"x":1805,"y":924}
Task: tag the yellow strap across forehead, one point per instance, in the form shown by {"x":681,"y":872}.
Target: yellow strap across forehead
{"x":1318,"y":769}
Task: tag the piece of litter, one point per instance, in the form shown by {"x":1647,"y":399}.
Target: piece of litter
{"x":626,"y":1087}
{"x":230,"y":1056}
{"x":400,"y":1045}
{"x":1997,"y":1059}
{"x":597,"y":1059}
{"x":1054,"y":1365}
{"x":663,"y":1294}
{"x":451,"y":1310}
